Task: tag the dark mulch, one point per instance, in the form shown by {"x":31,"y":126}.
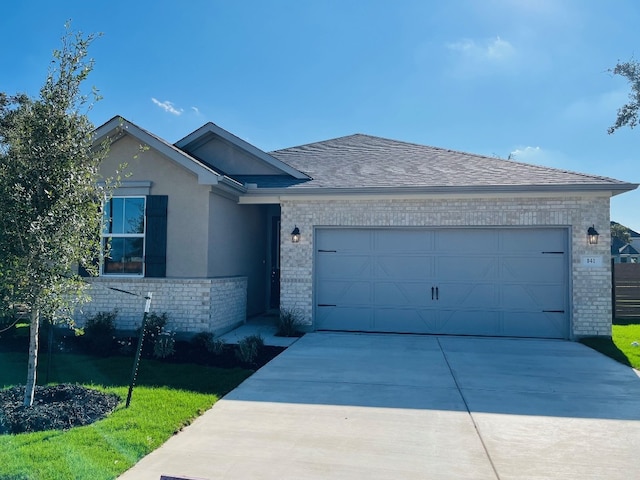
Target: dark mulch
{"x":186,"y":352}
{"x":56,"y":407}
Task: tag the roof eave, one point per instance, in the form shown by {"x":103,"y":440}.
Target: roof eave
{"x":612,"y":189}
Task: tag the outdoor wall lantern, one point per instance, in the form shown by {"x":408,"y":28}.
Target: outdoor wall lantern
{"x":592,"y":235}
{"x":295,"y":235}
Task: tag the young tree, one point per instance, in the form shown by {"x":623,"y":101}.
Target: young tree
{"x":50,"y":199}
{"x":628,"y":113}
{"x":620,"y":232}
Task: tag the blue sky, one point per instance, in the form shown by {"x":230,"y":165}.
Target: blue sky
{"x":494,"y":77}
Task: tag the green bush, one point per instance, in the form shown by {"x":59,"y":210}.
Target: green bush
{"x":288,"y":322}
{"x":164,"y":345}
{"x":249,"y":348}
{"x":205,"y":342}
{"x":99,"y":333}
{"x":154,"y":326}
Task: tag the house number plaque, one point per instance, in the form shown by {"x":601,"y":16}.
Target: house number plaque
{"x":591,"y":260}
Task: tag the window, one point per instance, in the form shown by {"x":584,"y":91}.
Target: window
{"x":123,"y":236}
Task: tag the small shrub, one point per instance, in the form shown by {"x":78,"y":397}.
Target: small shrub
{"x":164,"y":345}
{"x":205,"y":342}
{"x":288,"y":322}
{"x":217,"y":346}
{"x":99,"y":332}
{"x":249,"y":348}
{"x":154,"y":326}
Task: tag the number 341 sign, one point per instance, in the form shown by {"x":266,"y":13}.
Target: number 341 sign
{"x":591,"y":260}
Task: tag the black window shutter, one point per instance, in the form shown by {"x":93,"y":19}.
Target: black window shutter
{"x":156,"y":236}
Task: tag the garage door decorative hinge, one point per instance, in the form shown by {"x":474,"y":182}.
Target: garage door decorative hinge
{"x":555,"y":253}
{"x":326,"y":305}
{"x":327,"y":251}
{"x":552,"y":311}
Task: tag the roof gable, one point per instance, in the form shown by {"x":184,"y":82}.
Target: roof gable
{"x":115,"y":128}
{"x":227,"y":153}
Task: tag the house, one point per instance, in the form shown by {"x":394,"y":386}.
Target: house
{"x":391,"y":237}
{"x":623,"y":252}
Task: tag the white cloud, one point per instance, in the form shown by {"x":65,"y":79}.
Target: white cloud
{"x":167,"y":106}
{"x":493,"y":50}
{"x":540,"y":156}
{"x":196,"y":110}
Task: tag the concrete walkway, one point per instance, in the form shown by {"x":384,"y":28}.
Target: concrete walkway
{"x":265,"y":326}
{"x":352,"y":406}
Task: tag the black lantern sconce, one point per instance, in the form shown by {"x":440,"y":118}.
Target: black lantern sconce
{"x":592,"y":235}
{"x":295,"y":235}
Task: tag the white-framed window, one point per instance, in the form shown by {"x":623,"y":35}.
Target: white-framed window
{"x":123,"y":236}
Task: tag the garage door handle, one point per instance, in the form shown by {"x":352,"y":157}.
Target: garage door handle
{"x":437,"y":294}
{"x":432,"y":291}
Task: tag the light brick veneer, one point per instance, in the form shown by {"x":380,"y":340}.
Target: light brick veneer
{"x":192,"y":305}
{"x":590,"y":287}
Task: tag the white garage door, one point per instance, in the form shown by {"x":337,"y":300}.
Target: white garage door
{"x":485,"y":281}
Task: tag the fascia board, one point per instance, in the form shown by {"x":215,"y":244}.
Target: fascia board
{"x":257,"y":195}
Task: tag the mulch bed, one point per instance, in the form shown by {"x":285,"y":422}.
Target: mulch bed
{"x":56,"y":407}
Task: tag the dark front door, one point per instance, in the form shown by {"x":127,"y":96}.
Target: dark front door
{"x":274,"y":300}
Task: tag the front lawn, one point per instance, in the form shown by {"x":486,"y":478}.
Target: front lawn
{"x":167,"y":398}
{"x":624,"y":346}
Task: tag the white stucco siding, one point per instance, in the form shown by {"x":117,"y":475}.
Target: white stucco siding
{"x":589,"y":286}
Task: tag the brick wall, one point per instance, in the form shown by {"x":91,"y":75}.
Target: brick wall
{"x":192,"y":305}
{"x":590,"y":286}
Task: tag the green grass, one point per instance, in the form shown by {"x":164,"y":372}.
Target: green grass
{"x":620,"y":347}
{"x":166,"y":399}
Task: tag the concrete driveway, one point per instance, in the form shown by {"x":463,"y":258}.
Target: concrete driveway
{"x":351,"y":406}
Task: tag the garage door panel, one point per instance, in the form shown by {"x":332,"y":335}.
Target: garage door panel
{"x":539,"y":269}
{"x":474,"y":241}
{"x":344,"y":240}
{"x":342,"y":266}
{"x":530,"y":324}
{"x":467,"y":295}
{"x":403,"y":267}
{"x":470,"y":322}
{"x":333,"y":318}
{"x":404,"y":320}
{"x":533,"y":240}
{"x":406,"y":242}
{"x":345,"y":293}
{"x":401,"y":294}
{"x":467,"y":268}
{"x":533,"y":297}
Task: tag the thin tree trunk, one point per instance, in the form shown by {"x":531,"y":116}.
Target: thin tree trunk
{"x":30,"y":387}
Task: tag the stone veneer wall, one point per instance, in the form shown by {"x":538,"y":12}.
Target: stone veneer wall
{"x":192,"y":304}
{"x":590,"y":287}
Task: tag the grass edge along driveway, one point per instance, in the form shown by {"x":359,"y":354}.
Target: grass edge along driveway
{"x":168,"y":397}
{"x":624,"y":346}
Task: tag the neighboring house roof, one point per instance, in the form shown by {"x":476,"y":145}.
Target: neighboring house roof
{"x":365,"y":162}
{"x":628,"y":250}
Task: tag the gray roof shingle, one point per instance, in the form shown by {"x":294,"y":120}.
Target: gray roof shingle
{"x":363,"y":162}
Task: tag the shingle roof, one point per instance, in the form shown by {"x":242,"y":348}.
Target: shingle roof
{"x":363,"y":161}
